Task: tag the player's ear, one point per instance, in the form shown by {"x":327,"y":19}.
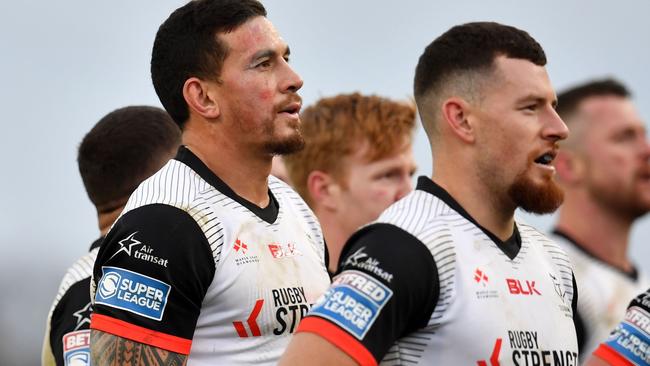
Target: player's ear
{"x":200,"y":97}
{"x":570,"y":167}
{"x":456,"y":116}
{"x":323,"y":190}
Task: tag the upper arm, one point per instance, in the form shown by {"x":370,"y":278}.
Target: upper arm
{"x":308,"y":349}
{"x":151,"y":275}
{"x":109,"y":350}
{"x":387,"y":287}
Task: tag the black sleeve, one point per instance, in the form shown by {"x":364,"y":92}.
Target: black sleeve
{"x":71,"y":314}
{"x":151,"y":274}
{"x":385,"y":288}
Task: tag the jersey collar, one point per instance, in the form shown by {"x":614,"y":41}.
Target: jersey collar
{"x":509,"y":247}
{"x":268,"y":213}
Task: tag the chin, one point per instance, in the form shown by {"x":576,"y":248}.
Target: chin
{"x":287,"y":145}
{"x":537,"y":198}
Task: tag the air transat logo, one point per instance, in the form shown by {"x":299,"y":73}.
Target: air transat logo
{"x":145,"y":252}
{"x":83,"y":316}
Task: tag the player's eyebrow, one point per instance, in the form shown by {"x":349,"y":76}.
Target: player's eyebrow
{"x":268,"y":53}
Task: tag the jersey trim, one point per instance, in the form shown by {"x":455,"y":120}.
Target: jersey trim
{"x":509,"y":247}
{"x":268,"y":213}
{"x":612,"y":357}
{"x":339,"y":338}
{"x":139,"y":334}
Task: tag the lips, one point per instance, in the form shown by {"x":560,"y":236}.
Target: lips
{"x":546,"y":158}
{"x":292,"y":107}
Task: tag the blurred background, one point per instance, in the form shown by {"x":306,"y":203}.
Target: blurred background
{"x":66,"y":64}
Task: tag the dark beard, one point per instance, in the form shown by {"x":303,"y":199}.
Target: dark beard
{"x":286,"y":146}
{"x":535,"y":198}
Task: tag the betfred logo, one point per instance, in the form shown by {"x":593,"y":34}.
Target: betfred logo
{"x":76,"y":348}
{"x":517,"y":287}
{"x":283,"y":251}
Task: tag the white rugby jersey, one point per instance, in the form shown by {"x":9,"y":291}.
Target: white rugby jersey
{"x":426,"y":285}
{"x":67,"y":333}
{"x":605,"y":292}
{"x":195,"y":269}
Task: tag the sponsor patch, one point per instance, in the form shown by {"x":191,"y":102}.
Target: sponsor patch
{"x":353,"y":302}
{"x":360,"y":259}
{"x":76,"y":348}
{"x":283,"y":250}
{"x":130,"y":291}
{"x":630,"y":339}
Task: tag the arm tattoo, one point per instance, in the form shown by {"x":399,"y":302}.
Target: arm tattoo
{"x":110,"y":350}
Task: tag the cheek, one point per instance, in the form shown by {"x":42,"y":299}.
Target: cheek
{"x":381,"y":197}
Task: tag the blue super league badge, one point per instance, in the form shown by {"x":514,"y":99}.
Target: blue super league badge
{"x":353,"y":302}
{"x":123,"y":289}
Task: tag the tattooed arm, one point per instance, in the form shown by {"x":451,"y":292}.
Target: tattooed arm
{"x":110,"y":350}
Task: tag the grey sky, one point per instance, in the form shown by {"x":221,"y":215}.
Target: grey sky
{"x":67,"y":63}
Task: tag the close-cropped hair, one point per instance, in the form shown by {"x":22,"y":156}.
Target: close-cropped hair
{"x":337,"y":126}
{"x":187,"y":45}
{"x":569,"y":100}
{"x":121,"y":150}
{"x":458,"y":59}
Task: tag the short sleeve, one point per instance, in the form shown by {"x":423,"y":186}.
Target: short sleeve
{"x":70,"y":320}
{"x":151,"y":275}
{"x":629,"y":343}
{"x":386,"y":287}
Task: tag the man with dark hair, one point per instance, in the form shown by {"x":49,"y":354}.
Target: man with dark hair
{"x":124,"y":148}
{"x":357,"y":161}
{"x":447,"y":276}
{"x":213,"y":261}
{"x":604,"y":169}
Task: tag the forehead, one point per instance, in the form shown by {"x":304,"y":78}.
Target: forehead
{"x":256,"y":34}
{"x":518,"y":78}
{"x":363,"y":153}
{"x":609,"y":113}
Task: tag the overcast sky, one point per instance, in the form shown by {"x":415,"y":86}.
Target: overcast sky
{"x":65,"y":64}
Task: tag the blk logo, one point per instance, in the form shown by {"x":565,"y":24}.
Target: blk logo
{"x":240,"y":245}
{"x":494,"y":357}
{"x":283,"y":251}
{"x":516,"y":287}
{"x":480,"y":277}
{"x":251,"y":321}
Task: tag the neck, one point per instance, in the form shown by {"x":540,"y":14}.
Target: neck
{"x":335,"y":236}
{"x":106,"y":219}
{"x":475,"y":197}
{"x":601,"y":232}
{"x":244,"y":171}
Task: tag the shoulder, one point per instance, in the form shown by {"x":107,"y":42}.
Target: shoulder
{"x":175,"y":184}
{"x":79,"y":271}
{"x":385,"y":251}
